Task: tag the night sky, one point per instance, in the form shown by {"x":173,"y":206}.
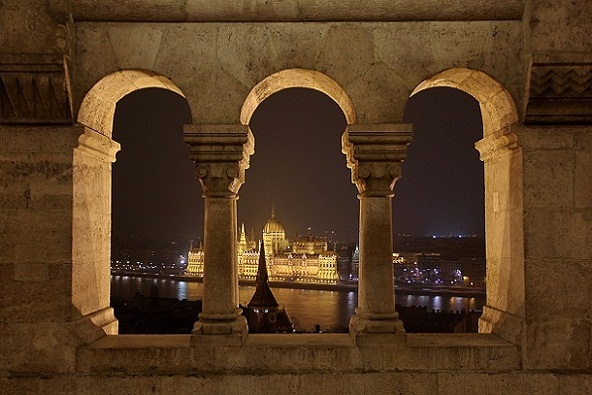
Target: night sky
{"x":297,"y":164}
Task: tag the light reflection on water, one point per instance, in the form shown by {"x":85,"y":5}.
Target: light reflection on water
{"x":330,"y":309}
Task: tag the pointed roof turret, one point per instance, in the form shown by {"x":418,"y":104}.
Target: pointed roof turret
{"x":243,"y":243}
{"x":262,"y":275}
{"x":263,"y":296}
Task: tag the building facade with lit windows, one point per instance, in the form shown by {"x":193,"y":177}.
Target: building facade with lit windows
{"x":307,"y":259}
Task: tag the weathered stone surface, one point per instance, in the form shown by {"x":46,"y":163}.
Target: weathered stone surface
{"x":554,"y":25}
{"x":582,"y":173}
{"x":37,"y":349}
{"x":137,"y":50}
{"x":480,"y":383}
{"x":351,"y":67}
{"x":548,"y":180}
{"x":547,"y":137}
{"x":577,"y":384}
{"x":378,"y":83}
{"x":375,"y":72}
{"x":558,"y":344}
{"x":573,"y":277}
{"x":33,"y":22}
{"x":560,"y":233}
{"x":290,"y":10}
{"x":43,"y":295}
{"x":54,"y":262}
{"x":87,"y":76}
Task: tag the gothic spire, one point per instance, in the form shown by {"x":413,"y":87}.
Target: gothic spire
{"x":263,"y":297}
{"x":262,"y":276}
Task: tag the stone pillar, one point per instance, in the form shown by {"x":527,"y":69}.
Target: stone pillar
{"x":38,"y":322}
{"x":557,"y":228}
{"x":221,"y":156}
{"x":375,"y":154}
{"x":91,"y":235}
{"x":504,"y":312}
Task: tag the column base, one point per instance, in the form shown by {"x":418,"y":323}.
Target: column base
{"x":505,"y":325}
{"x":96,"y":325}
{"x":219,"y":330}
{"x":369,"y":329}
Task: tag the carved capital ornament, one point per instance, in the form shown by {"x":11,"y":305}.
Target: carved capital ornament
{"x":221,"y":155}
{"x":375,"y":154}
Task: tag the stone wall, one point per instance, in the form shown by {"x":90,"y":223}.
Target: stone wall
{"x":54,"y":217}
{"x":377,"y":64}
{"x":558,"y":231}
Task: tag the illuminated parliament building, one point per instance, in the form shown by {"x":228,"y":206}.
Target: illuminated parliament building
{"x":307,"y":259}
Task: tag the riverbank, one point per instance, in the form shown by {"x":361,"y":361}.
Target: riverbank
{"x":352,"y":287}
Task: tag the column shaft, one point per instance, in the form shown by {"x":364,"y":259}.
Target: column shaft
{"x":219,"y":297}
{"x":376,"y":295}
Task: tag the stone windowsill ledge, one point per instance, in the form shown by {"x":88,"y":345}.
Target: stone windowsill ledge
{"x":163,"y":354}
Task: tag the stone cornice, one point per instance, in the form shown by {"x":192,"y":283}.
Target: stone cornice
{"x":375,"y":153}
{"x":284,"y":11}
{"x":221,"y":155}
{"x":34,"y":91}
{"x":560,"y":90}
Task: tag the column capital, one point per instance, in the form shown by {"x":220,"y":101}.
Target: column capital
{"x":498,"y":143}
{"x":375,"y":154}
{"x":221,"y":155}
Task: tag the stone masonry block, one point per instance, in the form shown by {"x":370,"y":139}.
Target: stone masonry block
{"x":354,"y":40}
{"x":558,"y":288}
{"x":559,"y":233}
{"x":558,"y":344}
{"x":44,"y":295}
{"x":480,"y":383}
{"x":548,"y":178}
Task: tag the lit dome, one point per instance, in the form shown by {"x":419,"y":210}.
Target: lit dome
{"x":273,"y":226}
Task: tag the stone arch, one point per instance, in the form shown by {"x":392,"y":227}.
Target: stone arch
{"x":504,"y":312}
{"x":91,"y":222}
{"x":297,"y":78}
{"x":98,"y":106}
{"x":497,"y":106}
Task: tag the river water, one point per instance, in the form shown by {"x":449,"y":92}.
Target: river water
{"x":330,"y":309}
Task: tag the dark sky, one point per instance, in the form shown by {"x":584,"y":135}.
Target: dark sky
{"x":442,"y":189}
{"x":297,"y":164}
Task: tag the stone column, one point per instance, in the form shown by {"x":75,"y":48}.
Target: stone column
{"x":504,"y":313}
{"x":221,"y":156}
{"x":375,"y":154}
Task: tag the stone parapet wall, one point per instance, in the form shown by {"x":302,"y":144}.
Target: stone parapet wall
{"x":328,"y":364}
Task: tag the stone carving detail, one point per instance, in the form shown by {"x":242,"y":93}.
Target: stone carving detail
{"x":34,"y":93}
{"x":560,"y":92}
{"x":375,"y":155}
{"x":221,"y":156}
{"x":561,"y":81}
{"x":500,"y":142}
